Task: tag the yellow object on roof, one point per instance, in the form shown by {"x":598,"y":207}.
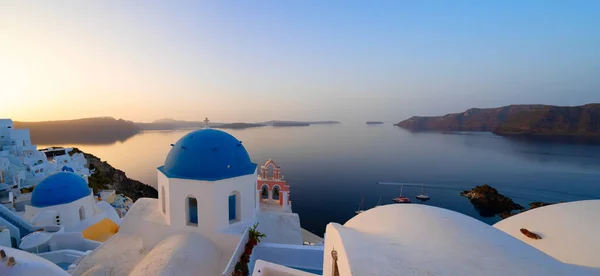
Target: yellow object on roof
{"x":101,"y":231}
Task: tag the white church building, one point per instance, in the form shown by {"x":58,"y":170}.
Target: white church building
{"x":64,"y":199}
{"x":207,"y":199}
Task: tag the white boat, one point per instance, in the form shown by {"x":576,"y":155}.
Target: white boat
{"x":422,"y":196}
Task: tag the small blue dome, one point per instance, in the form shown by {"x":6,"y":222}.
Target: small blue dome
{"x":59,"y":188}
{"x":207,"y":154}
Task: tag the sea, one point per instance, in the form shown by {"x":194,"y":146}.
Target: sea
{"x":332,"y":168}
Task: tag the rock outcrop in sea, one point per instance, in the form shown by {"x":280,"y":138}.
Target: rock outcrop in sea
{"x":489,"y":202}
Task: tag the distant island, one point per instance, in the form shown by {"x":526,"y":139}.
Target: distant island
{"x":298,"y":123}
{"x":374,"y":123}
{"x":107,"y":130}
{"x":517,"y":120}
{"x":170,"y":124}
{"x":238,"y":125}
{"x":99,"y":130}
{"x":289,"y":124}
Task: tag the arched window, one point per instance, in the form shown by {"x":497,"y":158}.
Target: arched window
{"x":270,"y":171}
{"x":234,"y":207}
{"x":276,"y":193}
{"x":81,"y":213}
{"x":264,"y":192}
{"x":192,"y":211}
{"x":163,"y":196}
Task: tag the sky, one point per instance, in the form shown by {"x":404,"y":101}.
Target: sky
{"x":251,"y":61}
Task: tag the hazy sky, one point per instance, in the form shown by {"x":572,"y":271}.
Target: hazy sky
{"x":300,"y":60}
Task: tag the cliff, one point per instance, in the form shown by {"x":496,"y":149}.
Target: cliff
{"x":474,"y":119}
{"x":554,"y":121}
{"x":106,"y":176}
{"x":540,"y":120}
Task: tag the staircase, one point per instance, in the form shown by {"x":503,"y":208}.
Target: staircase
{"x":23,"y":225}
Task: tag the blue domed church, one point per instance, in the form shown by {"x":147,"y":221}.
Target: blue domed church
{"x":63,"y":198}
{"x":207,"y":182}
{"x":207,"y":201}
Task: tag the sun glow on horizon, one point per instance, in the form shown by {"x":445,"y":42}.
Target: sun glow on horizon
{"x":243,"y":62}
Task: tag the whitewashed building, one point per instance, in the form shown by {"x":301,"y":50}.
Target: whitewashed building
{"x":64,"y":199}
{"x":22,"y":165}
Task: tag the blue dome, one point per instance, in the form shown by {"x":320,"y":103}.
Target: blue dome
{"x":207,"y":154}
{"x":59,"y":188}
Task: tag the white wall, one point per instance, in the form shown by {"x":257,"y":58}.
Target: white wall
{"x":73,"y":241}
{"x":333,"y":241}
{"x":5,"y":238}
{"x":298,"y":256}
{"x":146,"y":221}
{"x":263,"y":268}
{"x":21,"y":137}
{"x":4,"y":123}
{"x":164,"y":185}
{"x":69,"y":213}
{"x":212,"y":198}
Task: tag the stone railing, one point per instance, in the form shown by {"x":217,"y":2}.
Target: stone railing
{"x":235,"y":257}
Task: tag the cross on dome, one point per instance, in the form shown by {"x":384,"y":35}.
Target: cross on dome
{"x":206,"y":121}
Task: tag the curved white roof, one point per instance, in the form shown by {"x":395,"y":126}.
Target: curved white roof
{"x":570,"y":231}
{"x":424,"y":240}
{"x":183,"y":254}
{"x":28,"y":264}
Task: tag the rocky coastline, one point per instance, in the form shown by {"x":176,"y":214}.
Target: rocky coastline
{"x":106,"y":176}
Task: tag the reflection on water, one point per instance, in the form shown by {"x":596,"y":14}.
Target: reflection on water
{"x":330,"y":167}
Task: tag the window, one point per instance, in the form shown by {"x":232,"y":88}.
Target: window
{"x":192,"y":211}
{"x":81,"y":213}
{"x":162,"y":195}
{"x":276,"y":193}
{"x":234,"y":207}
{"x":265,"y":192}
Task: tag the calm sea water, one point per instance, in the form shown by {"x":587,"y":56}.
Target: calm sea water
{"x":331,"y":167}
